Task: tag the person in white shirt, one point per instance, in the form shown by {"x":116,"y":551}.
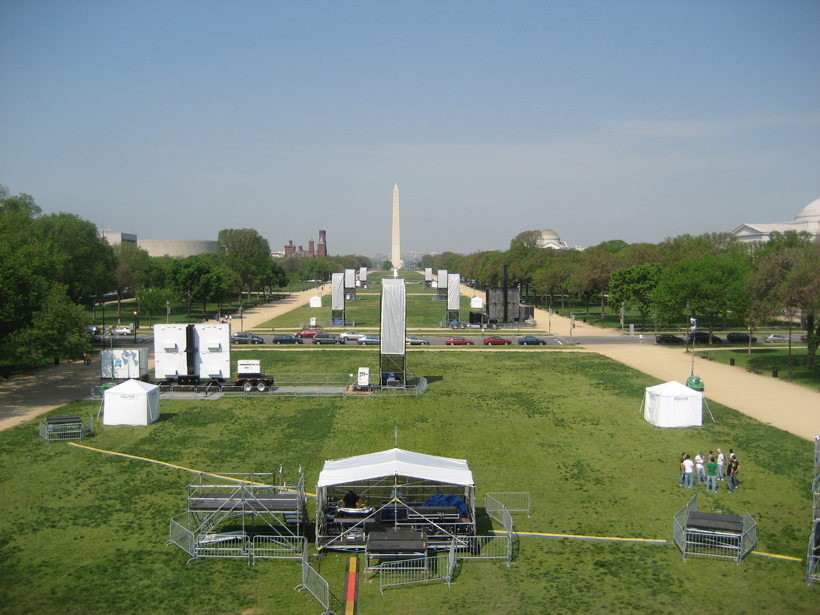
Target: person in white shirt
{"x":689,"y":470}
{"x":699,"y":459}
{"x":721,"y":459}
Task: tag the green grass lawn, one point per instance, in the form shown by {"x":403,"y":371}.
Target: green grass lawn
{"x":422,"y":311}
{"x":85,"y":533}
{"x":768,"y":358}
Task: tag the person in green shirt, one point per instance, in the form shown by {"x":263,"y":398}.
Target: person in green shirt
{"x":711,"y":475}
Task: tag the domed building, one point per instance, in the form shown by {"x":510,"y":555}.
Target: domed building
{"x":806,"y":220}
{"x":550,"y":239}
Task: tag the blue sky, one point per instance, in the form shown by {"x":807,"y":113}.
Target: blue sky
{"x":600,"y":120}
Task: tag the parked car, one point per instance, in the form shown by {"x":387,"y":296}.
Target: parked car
{"x":531,"y":340}
{"x":93,"y":329}
{"x":496,"y":341}
{"x":776,"y":337}
{"x":702,"y":337}
{"x":350,"y":336}
{"x":369,"y":340}
{"x":326,"y":338}
{"x":740,"y":338}
{"x":245,"y":337}
{"x":458,"y":341}
{"x":96,"y":339}
{"x":666,"y":338}
{"x":123,"y":330}
{"x":287,"y":339}
{"x":804,"y":338}
{"x":414,"y":340}
{"x":307,"y":333}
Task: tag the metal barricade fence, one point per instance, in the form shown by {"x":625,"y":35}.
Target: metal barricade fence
{"x":483,"y":547}
{"x":679,"y":524}
{"x":225,"y":545}
{"x":67,"y":431}
{"x":813,"y":555}
{"x":180,"y":534}
{"x":713,"y":544}
{"x":279,"y":547}
{"x":415,"y":570}
{"x":313,"y":379}
{"x":514,"y":502}
{"x":493,"y":508}
{"x":313,"y":582}
{"x":748,"y":539}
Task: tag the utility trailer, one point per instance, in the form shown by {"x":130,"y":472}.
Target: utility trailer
{"x":249,"y":374}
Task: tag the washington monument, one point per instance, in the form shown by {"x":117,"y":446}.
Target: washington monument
{"x":396,"y":252}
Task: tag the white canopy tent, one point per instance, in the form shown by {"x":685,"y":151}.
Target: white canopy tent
{"x":396,"y":462}
{"x":131,"y":403}
{"x":395,"y":487}
{"x":673,"y":404}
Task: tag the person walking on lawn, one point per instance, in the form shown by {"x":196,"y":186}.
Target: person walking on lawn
{"x":735,"y":469}
{"x":711,"y":475}
{"x":730,"y":482}
{"x":689,"y":470}
{"x":682,"y":469}
{"x":699,"y":459}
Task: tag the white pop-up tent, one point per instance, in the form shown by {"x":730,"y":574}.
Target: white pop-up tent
{"x":673,"y":404}
{"x":131,"y":403}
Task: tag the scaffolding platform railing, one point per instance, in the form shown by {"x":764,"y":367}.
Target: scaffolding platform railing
{"x":242,"y":516}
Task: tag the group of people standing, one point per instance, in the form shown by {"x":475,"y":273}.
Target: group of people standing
{"x":710,"y":469}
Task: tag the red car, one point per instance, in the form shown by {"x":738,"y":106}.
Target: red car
{"x":458,"y":341}
{"x":307,"y":333}
{"x":497,"y":341}
{"x":804,"y":338}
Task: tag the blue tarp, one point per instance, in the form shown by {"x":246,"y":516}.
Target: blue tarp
{"x":448,"y":500}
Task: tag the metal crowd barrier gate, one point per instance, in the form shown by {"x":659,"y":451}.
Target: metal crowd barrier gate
{"x":416,"y":570}
{"x":484,"y":547}
{"x":748,"y":539}
{"x":679,"y":524}
{"x":498,"y":512}
{"x":279,"y":547}
{"x":182,"y":535}
{"x":514,"y":502}
{"x":66,"y":431}
{"x":712,"y":543}
{"x":313,"y":582}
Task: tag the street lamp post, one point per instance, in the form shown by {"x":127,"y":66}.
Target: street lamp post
{"x":694,"y":323}
{"x":136,"y":326}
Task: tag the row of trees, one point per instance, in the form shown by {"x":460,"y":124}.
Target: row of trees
{"x":54,"y":267}
{"x":709,"y":276}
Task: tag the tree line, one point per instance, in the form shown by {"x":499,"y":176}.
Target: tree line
{"x":54,"y":268}
{"x":708,"y":277}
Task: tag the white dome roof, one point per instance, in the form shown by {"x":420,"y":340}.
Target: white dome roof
{"x":550,"y":234}
{"x":810,"y":212}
